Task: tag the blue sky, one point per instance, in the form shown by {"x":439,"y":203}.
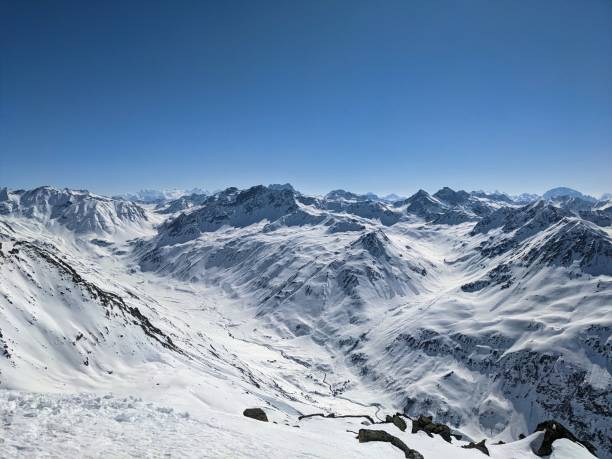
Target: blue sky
{"x":387,"y":96}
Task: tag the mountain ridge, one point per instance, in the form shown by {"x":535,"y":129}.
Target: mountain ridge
{"x":481,"y":312}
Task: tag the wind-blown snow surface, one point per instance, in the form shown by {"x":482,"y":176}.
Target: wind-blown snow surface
{"x":130,"y":331}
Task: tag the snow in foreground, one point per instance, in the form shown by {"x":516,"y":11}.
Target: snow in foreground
{"x":94,"y":425}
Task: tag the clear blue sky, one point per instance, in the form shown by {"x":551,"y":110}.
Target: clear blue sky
{"x":379,"y":96}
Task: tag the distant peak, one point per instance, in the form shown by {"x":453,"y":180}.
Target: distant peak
{"x":451,"y":196}
{"x":420,"y":194}
{"x":279,"y":187}
{"x":392,"y":197}
{"x":562,"y":191}
{"x":343,"y":194}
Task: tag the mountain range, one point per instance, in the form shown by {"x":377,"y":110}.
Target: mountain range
{"x":488,"y":312}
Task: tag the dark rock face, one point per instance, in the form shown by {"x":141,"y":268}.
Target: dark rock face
{"x":426,"y":424}
{"x":575,"y":242}
{"x":423,"y":205}
{"x":366,"y":435}
{"x":449,"y":207}
{"x":114,"y":304}
{"x":4,"y":347}
{"x":555,"y":431}
{"x":599,"y":217}
{"x":528,"y":219}
{"x":451,"y":196}
{"x":480,"y":446}
{"x":375,"y":242}
{"x":372,"y":210}
{"x":256,"y":413}
{"x":559,"y":388}
{"x":502,"y":274}
{"x":397,"y":420}
{"x":336,"y":195}
{"x":230,"y":207}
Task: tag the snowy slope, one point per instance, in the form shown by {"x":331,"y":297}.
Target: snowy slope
{"x":78,"y":211}
{"x":121,"y":426}
{"x":166,"y":325}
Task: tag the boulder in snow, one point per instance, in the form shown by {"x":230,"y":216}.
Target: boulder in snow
{"x":256,"y":413}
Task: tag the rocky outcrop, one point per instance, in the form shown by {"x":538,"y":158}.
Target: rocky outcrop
{"x":398,"y":421}
{"x":480,"y":446}
{"x":366,"y":435}
{"x":375,"y":242}
{"x":426,"y":424}
{"x":555,"y":431}
{"x":556,"y":386}
{"x":256,"y":413}
{"x":501,"y":274}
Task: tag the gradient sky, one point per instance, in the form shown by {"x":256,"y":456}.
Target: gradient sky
{"x":387,"y":96}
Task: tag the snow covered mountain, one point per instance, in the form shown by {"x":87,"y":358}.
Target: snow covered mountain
{"x":159,"y":196}
{"x":525,"y":198}
{"x":78,"y":211}
{"x":486,"y":314}
{"x":565,"y":192}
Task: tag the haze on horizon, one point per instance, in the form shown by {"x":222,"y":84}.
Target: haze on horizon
{"x":390,"y":97}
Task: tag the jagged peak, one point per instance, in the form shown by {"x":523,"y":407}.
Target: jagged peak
{"x":451,"y":196}
{"x":280,"y":187}
{"x":260,"y":190}
{"x":576,"y":225}
{"x":539,"y":215}
{"x":422,"y":204}
{"x":375,"y":242}
{"x":341,"y":194}
{"x":46,"y":192}
{"x":572,"y":240}
{"x":420,"y":194}
{"x":494,"y":196}
{"x":232,"y":207}
{"x":78,"y":210}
